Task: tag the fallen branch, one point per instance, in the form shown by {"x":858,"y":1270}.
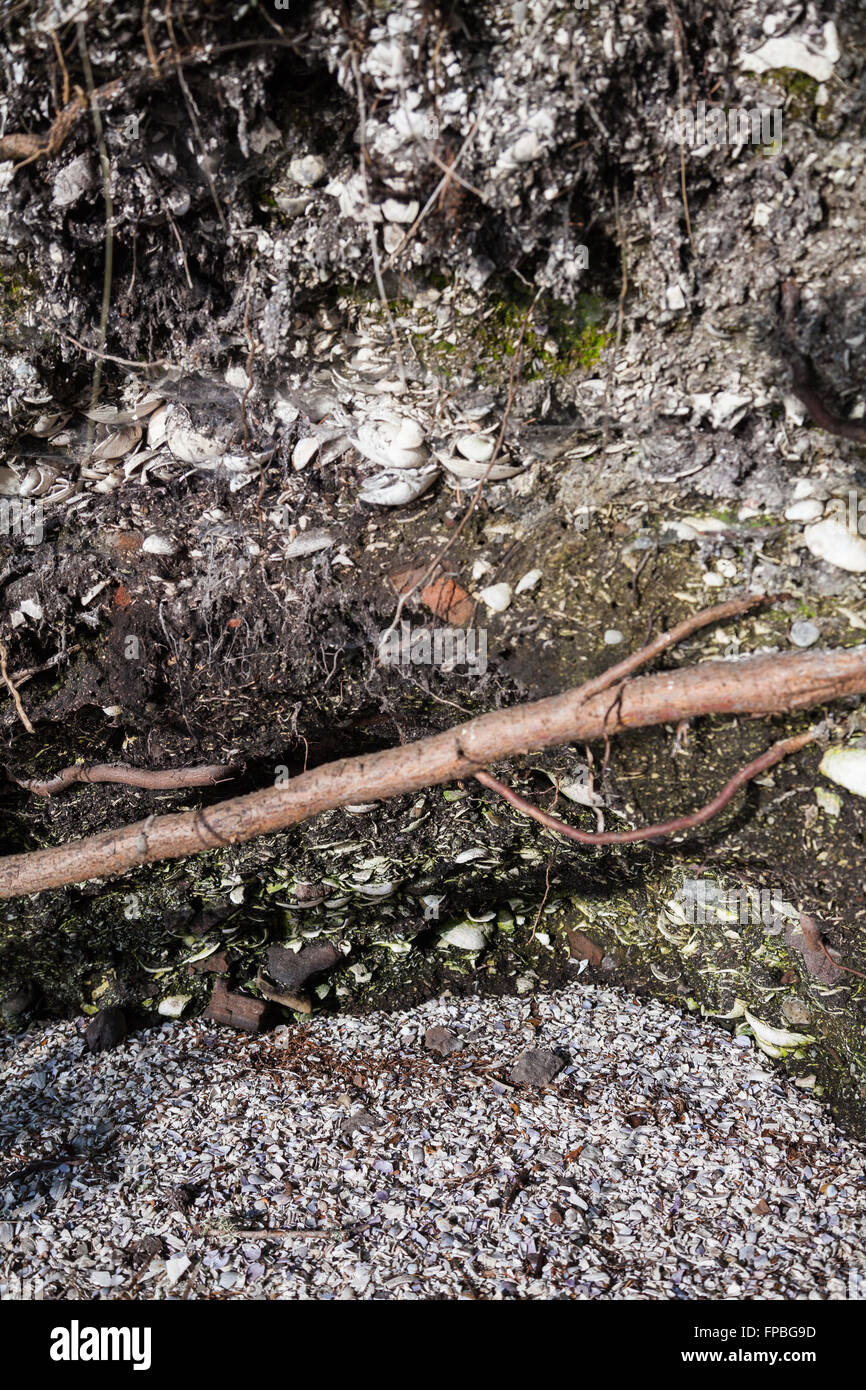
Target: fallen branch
{"x":121,"y":773}
{"x":754,"y":685}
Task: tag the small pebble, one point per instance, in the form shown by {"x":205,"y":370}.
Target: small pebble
{"x":536,"y":1067}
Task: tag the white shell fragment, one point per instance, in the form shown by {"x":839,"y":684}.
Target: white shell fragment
{"x":395,"y":444}
{"x":308,"y":544}
{"x":465,"y":936}
{"x":478,"y":447}
{"x":188,"y":445}
{"x":775,"y":1037}
{"x":158,"y":545}
{"x":528,"y":582}
{"x":72,"y":181}
{"x":118,"y":442}
{"x":847,"y":768}
{"x":790,"y":51}
{"x":156,"y":426}
{"x":806,"y":509}
{"x":497,"y":597}
{"x":462,"y":467}
{"x":304,"y":450}
{"x":308,"y":170}
{"x":395,"y":489}
{"x":832,"y":542}
{"x":395,"y":211}
{"x":173,"y":1005}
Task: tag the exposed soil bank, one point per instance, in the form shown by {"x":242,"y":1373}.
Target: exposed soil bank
{"x":208,"y":587}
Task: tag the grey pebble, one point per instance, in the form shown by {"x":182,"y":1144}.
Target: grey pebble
{"x":536,"y":1067}
{"x":442,"y":1040}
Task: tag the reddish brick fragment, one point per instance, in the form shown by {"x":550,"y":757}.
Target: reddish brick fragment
{"x":236,"y":1010}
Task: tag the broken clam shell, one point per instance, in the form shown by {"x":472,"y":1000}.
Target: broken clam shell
{"x":187,"y":444}
{"x":478,"y":447}
{"x":395,"y":444}
{"x":156,"y":426}
{"x":461,"y":467}
{"x":118,"y":442}
{"x":304,"y":450}
{"x":395,"y":489}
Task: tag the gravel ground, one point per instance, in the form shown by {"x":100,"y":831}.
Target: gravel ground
{"x":345,"y":1159}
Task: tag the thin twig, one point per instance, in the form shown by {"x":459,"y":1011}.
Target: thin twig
{"x":148,"y":41}
{"x":19,"y":677}
{"x":450,"y":173}
{"x":543,"y":901}
{"x":838,"y":964}
{"x":719,"y":613}
{"x":63,"y":68}
{"x":109,"y":207}
{"x":22,"y":713}
{"x":105,"y":356}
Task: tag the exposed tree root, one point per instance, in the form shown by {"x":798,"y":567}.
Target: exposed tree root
{"x":755,"y":685}
{"x":172,"y":778}
{"x":669,"y":827}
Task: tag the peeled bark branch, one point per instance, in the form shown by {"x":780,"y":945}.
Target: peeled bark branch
{"x":755,"y":685}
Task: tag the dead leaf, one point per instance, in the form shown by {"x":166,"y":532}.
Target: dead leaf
{"x":445,"y":598}
{"x":806,"y":938}
{"x":583,"y":949}
{"x":449,"y":601}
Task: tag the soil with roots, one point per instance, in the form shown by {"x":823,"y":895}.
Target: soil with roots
{"x":219,"y":594}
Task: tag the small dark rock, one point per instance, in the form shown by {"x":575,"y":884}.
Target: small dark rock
{"x":310,"y":894}
{"x":536,"y":1067}
{"x":17,"y":1003}
{"x":361,"y":1122}
{"x":183,"y":1195}
{"x":106,"y":1029}
{"x":442,"y":1040}
{"x":218,"y":963}
{"x":293,"y":969}
{"x":142,"y":1251}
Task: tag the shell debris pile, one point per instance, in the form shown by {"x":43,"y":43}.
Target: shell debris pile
{"x":394,"y":1157}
